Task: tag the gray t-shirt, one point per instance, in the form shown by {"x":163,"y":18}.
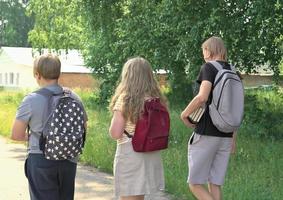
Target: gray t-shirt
{"x":31,"y":111}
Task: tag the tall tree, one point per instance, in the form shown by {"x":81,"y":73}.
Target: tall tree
{"x":253,"y":31}
{"x":168,"y":33}
{"x":58,"y":24}
{"x":14,"y":24}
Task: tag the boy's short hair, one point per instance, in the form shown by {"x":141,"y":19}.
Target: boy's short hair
{"x":48,"y":66}
{"x":215,"y":46}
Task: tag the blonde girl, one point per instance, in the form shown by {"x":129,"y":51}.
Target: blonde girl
{"x":136,"y":174}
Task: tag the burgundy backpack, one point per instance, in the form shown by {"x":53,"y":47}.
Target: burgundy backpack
{"x":152,"y":128}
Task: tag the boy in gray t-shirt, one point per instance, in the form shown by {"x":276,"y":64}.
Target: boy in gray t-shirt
{"x":48,"y":179}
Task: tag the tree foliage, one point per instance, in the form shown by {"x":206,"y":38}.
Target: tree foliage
{"x":14,"y":24}
{"x":58,"y":24}
{"x":255,"y":33}
{"x":168,"y":33}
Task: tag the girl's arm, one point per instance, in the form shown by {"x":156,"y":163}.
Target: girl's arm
{"x":117,"y":126}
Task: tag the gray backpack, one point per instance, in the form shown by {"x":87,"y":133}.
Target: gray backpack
{"x":227,"y":106}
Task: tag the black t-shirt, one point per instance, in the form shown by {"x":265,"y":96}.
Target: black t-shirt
{"x":205,"y":126}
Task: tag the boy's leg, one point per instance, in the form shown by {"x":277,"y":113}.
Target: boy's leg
{"x":67,"y":174}
{"x":138,"y":197}
{"x":215,"y":191}
{"x":42,"y":175}
{"x":200,"y":192}
{"x":202,"y":150}
{"x":201,"y":153}
{"x":219,"y":167}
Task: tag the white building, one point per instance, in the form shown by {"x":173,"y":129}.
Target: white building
{"x":16,"y":68}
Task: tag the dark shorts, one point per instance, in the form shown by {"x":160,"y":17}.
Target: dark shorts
{"x":50,"y":179}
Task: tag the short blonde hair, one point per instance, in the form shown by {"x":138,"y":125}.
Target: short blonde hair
{"x":215,"y":46}
{"x":48,"y":66}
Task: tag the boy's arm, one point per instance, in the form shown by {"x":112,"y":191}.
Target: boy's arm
{"x":197,"y":101}
{"x":22,"y":118}
{"x":233,"y":148}
{"x":19,"y":131}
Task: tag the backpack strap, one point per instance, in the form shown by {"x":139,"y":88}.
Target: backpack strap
{"x":233,"y":68}
{"x":128,"y":134}
{"x":219,"y":67}
{"x":44,"y":92}
{"x":67,"y":91}
{"x":48,"y":94}
{"x":216,"y":64}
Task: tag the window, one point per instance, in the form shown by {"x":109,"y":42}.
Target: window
{"x":6,"y":78}
{"x":11,"y":78}
{"x":17,"y":79}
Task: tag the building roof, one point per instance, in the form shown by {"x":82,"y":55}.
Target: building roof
{"x":71,"y":62}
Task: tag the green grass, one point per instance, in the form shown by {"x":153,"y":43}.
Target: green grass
{"x":100,"y":148}
{"x":255,"y":171}
{"x":8,"y":106}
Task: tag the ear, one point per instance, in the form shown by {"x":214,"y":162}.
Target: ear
{"x":37,"y":75}
{"x":206,"y":54}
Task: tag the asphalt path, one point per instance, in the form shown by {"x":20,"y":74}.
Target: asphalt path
{"x":91,"y":184}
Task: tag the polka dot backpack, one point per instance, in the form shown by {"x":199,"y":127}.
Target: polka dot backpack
{"x":63,"y":134}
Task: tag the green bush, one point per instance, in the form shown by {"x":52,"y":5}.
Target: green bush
{"x":264,"y":113}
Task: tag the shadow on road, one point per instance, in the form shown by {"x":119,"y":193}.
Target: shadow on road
{"x":90,"y":183}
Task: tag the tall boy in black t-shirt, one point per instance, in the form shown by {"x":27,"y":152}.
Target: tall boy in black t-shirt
{"x":209,"y":148}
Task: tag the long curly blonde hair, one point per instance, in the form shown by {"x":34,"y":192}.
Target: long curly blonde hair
{"x":136,"y":83}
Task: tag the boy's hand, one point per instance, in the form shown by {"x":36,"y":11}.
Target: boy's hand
{"x":186,"y":121}
{"x":233,"y":148}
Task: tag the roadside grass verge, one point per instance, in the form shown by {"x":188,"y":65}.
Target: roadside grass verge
{"x":255,"y":171}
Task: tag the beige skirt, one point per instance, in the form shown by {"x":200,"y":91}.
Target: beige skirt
{"x":137,"y":173}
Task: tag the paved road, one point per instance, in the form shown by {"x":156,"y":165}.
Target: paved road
{"x":90,"y":183}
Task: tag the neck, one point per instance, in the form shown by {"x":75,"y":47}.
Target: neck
{"x":214,"y":58}
{"x":47,"y":82}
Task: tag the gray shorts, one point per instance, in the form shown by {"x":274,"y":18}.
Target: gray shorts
{"x":208,"y":158}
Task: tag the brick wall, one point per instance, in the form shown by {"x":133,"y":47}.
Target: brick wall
{"x":87,"y":81}
{"x":78,"y":80}
{"x":257,"y":80}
